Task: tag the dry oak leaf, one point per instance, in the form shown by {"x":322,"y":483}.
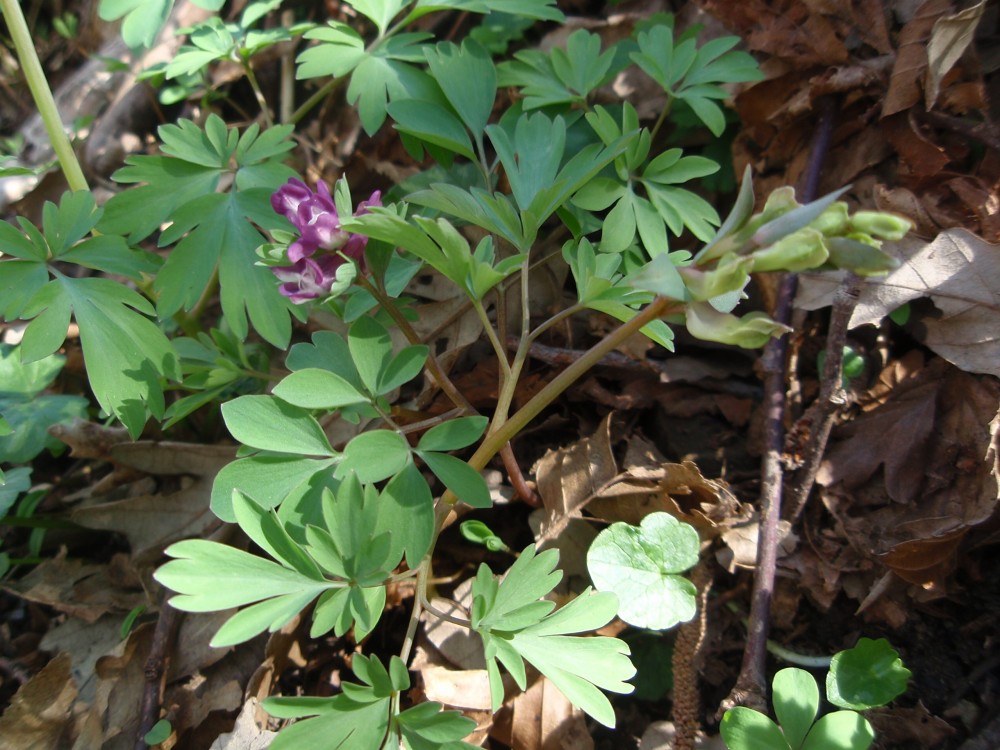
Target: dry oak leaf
{"x":958,"y":271}
{"x":41,"y":710}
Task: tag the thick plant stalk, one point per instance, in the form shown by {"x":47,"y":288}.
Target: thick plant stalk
{"x":42,"y":94}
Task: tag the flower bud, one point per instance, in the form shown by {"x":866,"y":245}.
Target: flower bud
{"x":751,"y":331}
{"x":880,"y":224}
{"x":798,"y":251}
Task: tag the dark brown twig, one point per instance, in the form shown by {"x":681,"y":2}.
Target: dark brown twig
{"x":822,"y":414}
{"x":155,"y":671}
{"x":751,"y":685}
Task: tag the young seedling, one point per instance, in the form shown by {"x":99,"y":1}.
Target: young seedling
{"x":867,"y":676}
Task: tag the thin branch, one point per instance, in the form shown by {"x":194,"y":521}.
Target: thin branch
{"x":155,"y":671}
{"x":822,"y":413}
{"x":751,"y":685}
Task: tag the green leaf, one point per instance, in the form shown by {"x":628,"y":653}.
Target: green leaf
{"x":640,"y":565}
{"x":375,"y":455}
{"x":328,"y":351}
{"x":264,"y":528}
{"x":431,"y":122}
{"x":271,"y":479}
{"x":466,"y":483}
{"x":468,"y":79}
{"x":160,"y":732}
{"x":796,"y":703}
{"x":745,"y":729}
{"x":407,"y":495}
{"x":312,"y":388}
{"x":426,"y":727}
{"x":270,"y":424}
{"x":453,"y":434}
{"x":867,"y":676}
{"x":125,"y":353}
{"x":212,"y":230}
{"x":381,"y":12}
{"x":209,"y":577}
{"x":340,"y":51}
{"x":407,"y":363}
{"x":143,"y":18}
{"x":841,"y":730}
{"x":340,"y":723}
{"x":514,"y":626}
{"x":383,"y":76}
{"x":12,"y":484}
{"x":371,"y":350}
{"x":530,"y":158}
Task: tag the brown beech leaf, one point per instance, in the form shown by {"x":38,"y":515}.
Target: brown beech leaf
{"x":958,"y":271}
{"x":41,"y":710}
{"x":950,"y":37}
{"x":906,"y":82}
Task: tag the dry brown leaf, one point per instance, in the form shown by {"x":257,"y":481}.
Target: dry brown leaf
{"x":906,"y":82}
{"x":78,"y":588}
{"x":913,"y":515}
{"x":895,"y":435}
{"x":463,"y":689}
{"x":247,"y":734}
{"x":958,"y":271}
{"x":950,"y":37}
{"x":660,"y":736}
{"x":568,"y":477}
{"x":85,"y":642}
{"x":152,"y":521}
{"x":41,"y":710}
{"x":545,"y":720}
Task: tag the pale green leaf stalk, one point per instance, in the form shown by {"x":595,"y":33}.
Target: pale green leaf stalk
{"x":42,"y":94}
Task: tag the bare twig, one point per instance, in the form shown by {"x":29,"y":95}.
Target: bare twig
{"x":751,"y":685}
{"x":822,"y":414}
{"x":155,"y":672}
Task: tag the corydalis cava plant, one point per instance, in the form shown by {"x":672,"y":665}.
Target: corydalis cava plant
{"x":324,"y":259}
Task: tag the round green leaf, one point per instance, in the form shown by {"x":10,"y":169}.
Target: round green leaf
{"x":640,"y":563}
{"x":745,"y":729}
{"x":314,"y":388}
{"x":270,"y":424}
{"x":453,"y":434}
{"x":375,"y":456}
{"x":159,"y":733}
{"x":796,"y":702}
{"x":841,"y":730}
{"x":869,"y":675}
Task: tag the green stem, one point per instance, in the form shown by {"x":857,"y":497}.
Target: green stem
{"x":662,"y":118}
{"x":518,"y":421}
{"x":42,"y":95}
{"x":257,"y":91}
{"x":437,"y":372}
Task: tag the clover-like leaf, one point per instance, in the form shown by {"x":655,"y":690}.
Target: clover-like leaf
{"x":867,"y":676}
{"x":641,"y":564}
{"x":796,"y":702}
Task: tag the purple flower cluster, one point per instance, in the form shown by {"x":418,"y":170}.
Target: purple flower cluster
{"x":322,"y":246}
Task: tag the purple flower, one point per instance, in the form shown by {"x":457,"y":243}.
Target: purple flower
{"x":322,"y":245}
{"x":307,"y":279}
